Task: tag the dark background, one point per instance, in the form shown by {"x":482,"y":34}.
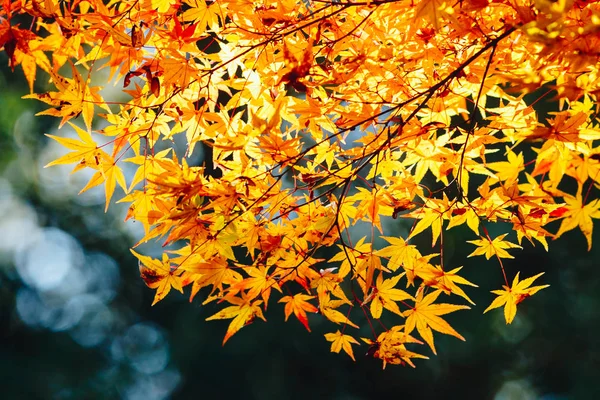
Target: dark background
{"x":76,"y":320}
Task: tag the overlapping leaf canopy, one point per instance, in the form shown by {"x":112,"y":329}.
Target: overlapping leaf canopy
{"x":322,"y":116}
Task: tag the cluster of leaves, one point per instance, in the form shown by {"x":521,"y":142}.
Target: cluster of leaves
{"x":434,"y":90}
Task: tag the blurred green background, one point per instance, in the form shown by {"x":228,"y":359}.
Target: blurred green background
{"x":76,"y":321}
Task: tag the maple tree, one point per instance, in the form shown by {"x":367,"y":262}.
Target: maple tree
{"x":321,"y":118}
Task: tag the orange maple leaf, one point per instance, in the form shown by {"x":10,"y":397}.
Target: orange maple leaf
{"x":243,"y":313}
{"x":299,"y":305}
{"x":435,"y":11}
{"x":260,"y":283}
{"x":563,"y":128}
{"x":13,"y":38}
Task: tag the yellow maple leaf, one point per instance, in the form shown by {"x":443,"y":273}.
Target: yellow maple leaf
{"x":159,"y":275}
{"x":85,"y":151}
{"x":398,"y":252}
{"x":446,"y":281}
{"x":328,"y":309}
{"x":329,"y":283}
{"x":490,"y":248}
{"x":205,"y":15}
{"x":579,"y":215}
{"x":511,"y":296}
{"x":425,"y":317}
{"x":162,"y":5}
{"x":217,"y":272}
{"x":341,"y":342}
{"x":75,"y":96}
{"x":508,"y":171}
{"x":390,"y":347}
{"x":429,"y":218}
{"x":460,"y":215}
{"x":110,"y":175}
{"x":385,"y":295}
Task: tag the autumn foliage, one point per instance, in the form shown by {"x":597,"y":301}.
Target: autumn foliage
{"x":329,"y":123}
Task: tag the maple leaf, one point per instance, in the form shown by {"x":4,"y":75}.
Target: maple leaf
{"x":385,"y":295}
{"x":579,"y":215}
{"x":74,"y":97}
{"x":13,"y":38}
{"x":564,"y":127}
{"x":368,"y":206}
{"x":462,"y":215}
{"x":260,"y":283}
{"x":299,"y":305}
{"x":446,"y":281}
{"x":243,"y":312}
{"x":202,"y":14}
{"x":159,"y":275}
{"x":110,"y":175}
{"x":429,"y":218}
{"x":434,"y":11}
{"x":508,"y":171}
{"x":216,"y":273}
{"x":329,"y":283}
{"x":85,"y":151}
{"x":398,"y":252}
{"x":23,"y":47}
{"x":425,"y":316}
{"x":328,"y":309}
{"x":390,"y":347}
{"x":298,"y":67}
{"x":511,"y":296}
{"x":417,"y":267}
{"x":142,"y":208}
{"x":341,"y":342}
{"x":490,"y":248}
